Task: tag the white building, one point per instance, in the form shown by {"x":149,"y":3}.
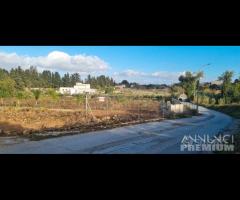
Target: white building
{"x":79,"y":88}
{"x":182,"y":97}
{"x":217,"y":82}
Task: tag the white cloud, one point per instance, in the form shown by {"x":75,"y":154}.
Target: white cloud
{"x":167,"y":75}
{"x":55,"y":60}
{"x":130,"y":73}
{"x":142,"y":77}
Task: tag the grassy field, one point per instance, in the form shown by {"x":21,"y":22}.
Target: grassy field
{"x":232,"y":110}
{"x":147,"y":92}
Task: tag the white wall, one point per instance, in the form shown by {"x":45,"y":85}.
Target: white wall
{"x":177,"y":108}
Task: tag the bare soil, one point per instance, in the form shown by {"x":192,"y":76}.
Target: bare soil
{"x":26,"y":121}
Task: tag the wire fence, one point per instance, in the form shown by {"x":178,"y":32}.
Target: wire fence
{"x":94,"y":105}
{"x":138,"y":107}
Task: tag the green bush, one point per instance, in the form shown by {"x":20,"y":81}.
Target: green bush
{"x":109,"y":90}
{"x":20,"y":95}
{"x":204,"y":99}
{"x":221,"y":101}
{"x":212,"y":101}
{"x":53,"y":94}
{"x":7,"y":87}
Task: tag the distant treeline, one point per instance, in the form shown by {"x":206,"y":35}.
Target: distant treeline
{"x":31,"y":78}
{"x":143,"y":86}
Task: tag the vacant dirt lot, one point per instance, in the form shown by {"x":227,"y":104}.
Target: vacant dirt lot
{"x":25,"y":121}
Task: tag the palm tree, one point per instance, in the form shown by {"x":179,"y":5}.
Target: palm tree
{"x":36,"y":94}
{"x":190,"y":82}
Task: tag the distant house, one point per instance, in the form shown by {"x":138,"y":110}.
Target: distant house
{"x":218,"y":83}
{"x":120,"y":87}
{"x":79,"y":88}
{"x":182,"y":97}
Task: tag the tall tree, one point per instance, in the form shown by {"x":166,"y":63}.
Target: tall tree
{"x":46,"y":77}
{"x":66,"y":80}
{"x":57,"y":81}
{"x":17,"y":75}
{"x":226,"y":78}
{"x":236,"y":92}
{"x":126,"y":83}
{"x":7,"y":87}
{"x":190,"y":82}
{"x":75,"y":78}
{"x":3,"y":73}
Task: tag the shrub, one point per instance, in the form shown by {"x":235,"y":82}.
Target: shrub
{"x":109,"y":90}
{"x":212,"y":101}
{"x":20,"y":95}
{"x":36,"y":94}
{"x":221,"y":101}
{"x":204,"y":99}
{"x":7,"y":87}
{"x":53,"y":94}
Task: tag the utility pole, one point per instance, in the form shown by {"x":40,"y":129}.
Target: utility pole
{"x":107,"y":99}
{"x":138,"y":107}
{"x":163,"y":105}
{"x":198,"y":83}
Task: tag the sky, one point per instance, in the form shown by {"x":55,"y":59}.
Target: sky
{"x":142,"y":64}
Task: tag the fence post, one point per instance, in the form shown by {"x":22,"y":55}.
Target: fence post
{"x":107,"y":99}
{"x":86,"y":102}
{"x":138,"y":108}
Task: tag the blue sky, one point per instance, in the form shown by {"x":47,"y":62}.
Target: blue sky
{"x":145,"y":64}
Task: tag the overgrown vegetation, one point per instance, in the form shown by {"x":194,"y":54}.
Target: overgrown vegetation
{"x":231,"y":109}
{"x":190,"y":83}
{"x":225,"y":93}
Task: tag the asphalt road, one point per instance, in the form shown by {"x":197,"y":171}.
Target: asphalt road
{"x":149,"y":138}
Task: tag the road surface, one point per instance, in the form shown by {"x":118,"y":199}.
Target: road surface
{"x":148,"y":138}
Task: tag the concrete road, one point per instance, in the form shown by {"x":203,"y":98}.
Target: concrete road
{"x":154,"y":137}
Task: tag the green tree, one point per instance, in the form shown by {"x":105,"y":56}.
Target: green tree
{"x":17,"y":75}
{"x":126,"y":83}
{"x":176,"y":90}
{"x":46,"y":79}
{"x":57,"y":81}
{"x":190,"y":83}
{"x":7,"y":88}
{"x":226,"y":78}
{"x":74,"y":78}
{"x":236,"y":92}
{"x":3,"y":73}
{"x":66,"y":80}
